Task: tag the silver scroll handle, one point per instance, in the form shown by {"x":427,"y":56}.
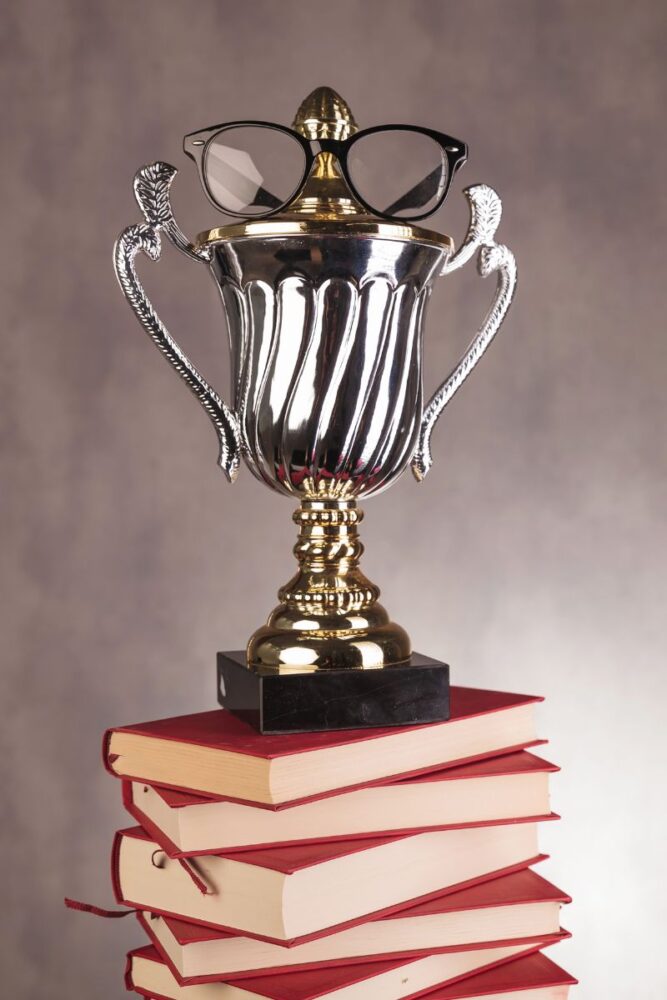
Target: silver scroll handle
{"x":485,"y":213}
{"x":151,"y":189}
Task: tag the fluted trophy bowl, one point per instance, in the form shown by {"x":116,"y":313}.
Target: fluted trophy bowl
{"x":326,"y":347}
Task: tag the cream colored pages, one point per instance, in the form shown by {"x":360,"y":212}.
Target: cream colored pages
{"x":348,"y":888}
{"x":302,"y":775}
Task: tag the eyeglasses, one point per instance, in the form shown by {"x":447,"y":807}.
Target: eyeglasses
{"x":254,"y":169}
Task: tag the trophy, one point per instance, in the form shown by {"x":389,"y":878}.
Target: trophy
{"x":324,"y":275}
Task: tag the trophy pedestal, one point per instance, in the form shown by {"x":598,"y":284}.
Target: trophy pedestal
{"x":404,"y":694}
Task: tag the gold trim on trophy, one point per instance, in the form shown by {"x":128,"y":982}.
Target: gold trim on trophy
{"x":329,"y":616}
{"x":300,"y":226}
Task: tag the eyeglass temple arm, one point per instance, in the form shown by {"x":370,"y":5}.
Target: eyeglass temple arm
{"x":485,"y":214}
{"x":151,"y":190}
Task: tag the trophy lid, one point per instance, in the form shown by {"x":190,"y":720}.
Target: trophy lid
{"x":325,"y":205}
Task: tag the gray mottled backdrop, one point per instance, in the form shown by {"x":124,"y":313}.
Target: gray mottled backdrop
{"x":533,"y":557}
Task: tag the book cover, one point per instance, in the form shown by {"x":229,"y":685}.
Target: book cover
{"x":533,"y":972}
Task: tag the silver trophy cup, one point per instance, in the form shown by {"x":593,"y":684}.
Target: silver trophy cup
{"x":325,"y":308}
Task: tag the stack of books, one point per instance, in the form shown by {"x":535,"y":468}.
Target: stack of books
{"x":375,"y":864}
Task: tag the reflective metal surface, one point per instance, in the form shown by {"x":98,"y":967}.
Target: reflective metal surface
{"x":296,"y":224}
{"x":151,"y":189}
{"x":485,"y":215}
{"x":329,"y":615}
{"x":326,"y":345}
{"x":324,"y":114}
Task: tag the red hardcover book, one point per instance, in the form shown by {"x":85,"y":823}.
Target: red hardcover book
{"x":216,"y":754}
{"x":399,"y":979}
{"x":289,"y":894}
{"x":499,"y":789}
{"x":535,"y":978}
{"x":521,"y":905}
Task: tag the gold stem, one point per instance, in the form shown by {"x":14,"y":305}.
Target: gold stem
{"x":329,"y":616}
{"x":328,"y":550}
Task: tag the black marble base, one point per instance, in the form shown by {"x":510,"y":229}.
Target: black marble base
{"x":404,"y":695}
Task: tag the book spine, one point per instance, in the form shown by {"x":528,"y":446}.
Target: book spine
{"x":129,"y":983}
{"x":107,"y":757}
{"x":115,"y":868}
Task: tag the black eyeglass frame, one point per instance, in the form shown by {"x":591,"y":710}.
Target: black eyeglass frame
{"x":196,"y":145}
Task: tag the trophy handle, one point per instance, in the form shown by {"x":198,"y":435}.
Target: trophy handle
{"x":151,"y":189}
{"x":485,"y":213}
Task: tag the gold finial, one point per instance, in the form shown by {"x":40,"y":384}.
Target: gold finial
{"x":324,"y":115}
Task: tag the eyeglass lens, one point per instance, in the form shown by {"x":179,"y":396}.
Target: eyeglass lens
{"x":252,"y":170}
{"x":398,"y":172}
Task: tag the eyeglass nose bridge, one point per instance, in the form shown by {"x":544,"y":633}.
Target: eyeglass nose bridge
{"x":326,"y":190}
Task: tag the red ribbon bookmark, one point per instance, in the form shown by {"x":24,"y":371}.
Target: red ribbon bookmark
{"x":75,"y":904}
